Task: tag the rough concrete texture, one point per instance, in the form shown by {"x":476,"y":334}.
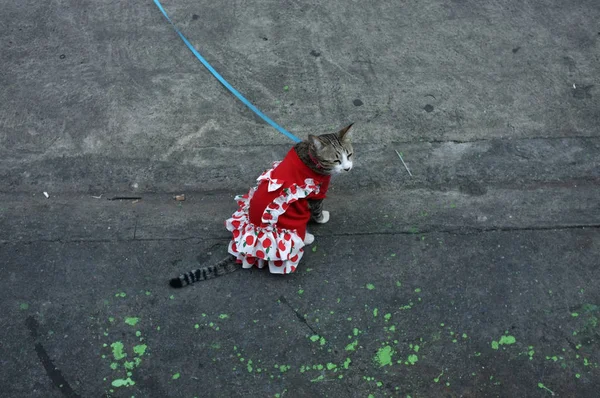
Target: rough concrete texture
{"x":477,"y":277}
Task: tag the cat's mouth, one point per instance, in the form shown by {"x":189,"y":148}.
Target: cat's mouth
{"x":340,"y":169}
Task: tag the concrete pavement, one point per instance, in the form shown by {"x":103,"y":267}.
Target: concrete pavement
{"x":476,"y":277}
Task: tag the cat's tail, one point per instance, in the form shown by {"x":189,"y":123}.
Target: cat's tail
{"x":225,"y":266}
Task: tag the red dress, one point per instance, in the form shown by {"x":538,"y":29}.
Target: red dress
{"x":270,"y":223}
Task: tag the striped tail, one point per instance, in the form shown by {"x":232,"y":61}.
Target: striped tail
{"x":225,"y":266}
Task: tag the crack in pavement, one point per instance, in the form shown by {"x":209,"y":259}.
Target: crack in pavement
{"x":299,"y":315}
{"x":314,"y":332}
{"x":470,"y":230}
{"x":52,"y":371}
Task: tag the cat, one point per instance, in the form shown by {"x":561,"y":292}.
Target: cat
{"x":269,"y":227}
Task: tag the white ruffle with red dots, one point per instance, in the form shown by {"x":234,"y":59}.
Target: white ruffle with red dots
{"x":280,"y":248}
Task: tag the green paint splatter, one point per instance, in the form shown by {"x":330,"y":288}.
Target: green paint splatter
{"x":542,"y":386}
{"x":418,"y":290}
{"x":578,"y":375}
{"x":284,"y":368}
{"x":347,"y":363}
{"x":24,"y":306}
{"x":355,"y":331}
{"x":322,"y":341}
{"x":398,"y":283}
{"x":416,"y":348}
{"x":148,"y":293}
{"x":196,"y":326}
{"x":223,"y":316}
{"x":176,"y":376}
{"x":132,"y":321}
{"x":437,"y":379}
{"x":249,"y":366}
{"x":138,"y":333}
{"x":384,"y":356}
{"x":140,"y":349}
{"x":352,"y":346}
{"x":331,"y":366}
{"x":122,"y":294}
{"x":370,"y":286}
{"x":314,"y":249}
{"x":286,"y":88}
{"x":123,"y":382}
{"x":114,"y":365}
{"x":300,"y":291}
{"x":375,"y":312}
{"x":171,"y":297}
{"x":117,"y":349}
{"x":129,"y":365}
{"x":412,"y":359}
{"x":508,"y":340}
{"x":530,"y":352}
{"x":387,"y":316}
{"x":504,"y":340}
{"x":314,"y":337}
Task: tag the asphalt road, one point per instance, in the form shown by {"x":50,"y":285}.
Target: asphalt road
{"x":475,"y":277}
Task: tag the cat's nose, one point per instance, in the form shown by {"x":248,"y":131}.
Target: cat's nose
{"x":347,"y":169}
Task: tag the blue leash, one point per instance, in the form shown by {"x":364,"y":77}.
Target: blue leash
{"x":224,"y":82}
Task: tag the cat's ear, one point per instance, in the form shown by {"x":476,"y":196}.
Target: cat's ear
{"x":345,"y":134}
{"x":315,"y":141}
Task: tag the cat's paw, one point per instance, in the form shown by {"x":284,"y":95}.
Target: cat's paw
{"x":309,"y":238}
{"x":324,"y":217}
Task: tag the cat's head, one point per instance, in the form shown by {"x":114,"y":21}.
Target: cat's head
{"x":334,"y":151}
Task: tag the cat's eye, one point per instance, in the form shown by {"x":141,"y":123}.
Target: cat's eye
{"x":338,"y":161}
{"x":349,"y":155}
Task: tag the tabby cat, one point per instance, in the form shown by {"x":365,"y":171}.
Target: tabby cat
{"x":269,"y":227}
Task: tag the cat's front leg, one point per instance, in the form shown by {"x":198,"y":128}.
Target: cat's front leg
{"x":308,"y":238}
{"x":317,"y":213}
{"x":324,"y":217}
